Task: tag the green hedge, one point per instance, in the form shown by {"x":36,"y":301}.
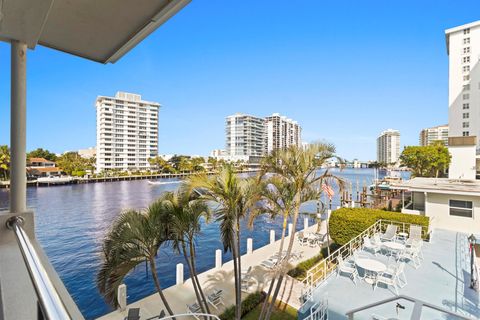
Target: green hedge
{"x":347,"y":223}
{"x":250,"y":302}
{"x":300,"y":271}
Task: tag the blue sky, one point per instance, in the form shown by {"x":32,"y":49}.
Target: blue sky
{"x":344,"y":70}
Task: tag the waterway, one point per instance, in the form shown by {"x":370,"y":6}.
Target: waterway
{"x":72,"y":220}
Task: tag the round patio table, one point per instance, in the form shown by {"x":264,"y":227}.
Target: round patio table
{"x":396,"y":246}
{"x":371,"y":267}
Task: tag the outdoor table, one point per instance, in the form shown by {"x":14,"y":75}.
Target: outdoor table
{"x":393,"y":247}
{"x":371,"y":267}
{"x":402,"y":236}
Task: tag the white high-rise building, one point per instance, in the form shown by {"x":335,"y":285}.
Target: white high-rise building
{"x":127,"y":132}
{"x":282,"y":132}
{"x":430,"y":135}
{"x":463,"y":48}
{"x":245,"y":136}
{"x":388,"y":146}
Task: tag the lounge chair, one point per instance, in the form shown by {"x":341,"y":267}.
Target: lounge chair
{"x":415,"y":234}
{"x":368,"y":245}
{"x":246,"y":273}
{"x":411,"y":254}
{"x":302,"y":239}
{"x":346,"y":267}
{"x":193,"y":309}
{"x":269,"y":263}
{"x":390,"y":233}
{"x":215,"y":298}
{"x":133,"y":314}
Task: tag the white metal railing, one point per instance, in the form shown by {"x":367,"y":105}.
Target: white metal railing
{"x":50,"y":305}
{"x":417,"y":308}
{"x":322,"y":270}
{"x":188,"y":315}
{"x":319,"y":311}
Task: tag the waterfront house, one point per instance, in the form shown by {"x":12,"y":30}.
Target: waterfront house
{"x":40,"y":163}
{"x":40,"y":168}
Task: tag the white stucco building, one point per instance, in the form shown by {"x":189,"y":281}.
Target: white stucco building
{"x":245,"y":136}
{"x":282,"y":132}
{"x":430,"y":135}
{"x":127,"y":132}
{"x":388,"y":146}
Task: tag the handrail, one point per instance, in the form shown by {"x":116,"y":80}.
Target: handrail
{"x":208,"y":316}
{"x":49,"y":301}
{"x":417,"y":309}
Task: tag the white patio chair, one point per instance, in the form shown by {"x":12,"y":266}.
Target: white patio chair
{"x":215,"y":299}
{"x":376,"y":239}
{"x":347,"y":268}
{"x":411,"y":254}
{"x":415,"y":233}
{"x":246,"y":273}
{"x":390,"y":233}
{"x":370,"y":246}
{"x":193,"y":309}
{"x":269,"y":263}
{"x":391,"y":277}
{"x":302,"y":239}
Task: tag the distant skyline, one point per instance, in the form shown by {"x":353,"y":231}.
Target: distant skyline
{"x":344,"y":71}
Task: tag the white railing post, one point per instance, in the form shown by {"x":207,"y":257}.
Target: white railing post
{"x":179,"y":273}
{"x":122,"y":297}
{"x":249,"y":245}
{"x":218,"y":259}
{"x":305,"y":224}
{"x":272,"y":236}
{"x":290,"y":228}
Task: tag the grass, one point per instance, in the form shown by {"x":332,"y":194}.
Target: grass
{"x":278,"y":314}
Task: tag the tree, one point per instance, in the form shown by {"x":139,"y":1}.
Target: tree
{"x":135,"y":237}
{"x":41,"y":153}
{"x":297,"y":169}
{"x":426,"y":161}
{"x":161,"y":164}
{"x":73,"y":164}
{"x":5,"y":161}
{"x":234,"y":198}
{"x":186,"y":214}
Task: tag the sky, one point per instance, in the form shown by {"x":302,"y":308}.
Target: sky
{"x":345,"y":70}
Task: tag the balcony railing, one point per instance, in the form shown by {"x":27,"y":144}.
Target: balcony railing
{"x":50,"y":305}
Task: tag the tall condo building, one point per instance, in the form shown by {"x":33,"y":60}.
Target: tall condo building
{"x":430,"y":135}
{"x":127,"y":132}
{"x":388,"y":146}
{"x":463,"y":48}
{"x":282,"y":132}
{"x":245,"y":136}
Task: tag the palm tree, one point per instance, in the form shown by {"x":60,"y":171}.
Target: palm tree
{"x":186,"y":215}
{"x":298,"y":168}
{"x":135,"y":237}
{"x":234,"y":197}
{"x":5,"y":161}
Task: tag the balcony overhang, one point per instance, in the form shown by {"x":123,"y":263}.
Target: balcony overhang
{"x":98,"y":30}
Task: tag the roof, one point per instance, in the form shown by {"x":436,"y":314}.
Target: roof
{"x":102,"y":31}
{"x":39,"y":160}
{"x":45,"y":169}
{"x":441,"y":185}
{"x":456,"y":29}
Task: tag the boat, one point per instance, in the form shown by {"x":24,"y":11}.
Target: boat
{"x":55,"y":180}
{"x":162,"y":182}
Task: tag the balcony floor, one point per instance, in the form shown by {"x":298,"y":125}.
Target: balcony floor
{"x":443,"y":279}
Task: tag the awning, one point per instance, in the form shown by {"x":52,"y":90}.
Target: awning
{"x":98,"y":30}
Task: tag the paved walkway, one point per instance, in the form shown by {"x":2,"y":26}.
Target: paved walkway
{"x":179,"y":295}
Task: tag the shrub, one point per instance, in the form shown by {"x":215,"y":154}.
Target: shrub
{"x":347,"y":223}
{"x":300,"y":271}
{"x":250,"y":302}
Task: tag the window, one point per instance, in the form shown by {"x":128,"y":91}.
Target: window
{"x":466,"y":96}
{"x":466,"y":41}
{"x":465,"y":133}
{"x":466,"y":59}
{"x":466,"y":115}
{"x":466,"y":78}
{"x":465,"y":125}
{"x":466,"y":68}
{"x":466,"y":87}
{"x":461,"y":208}
{"x":466,"y":31}
{"x":466,"y":106}
{"x":466,"y":50}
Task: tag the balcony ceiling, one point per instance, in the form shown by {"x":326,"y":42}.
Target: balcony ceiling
{"x":99,"y":30}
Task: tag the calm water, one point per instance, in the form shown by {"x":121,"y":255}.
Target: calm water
{"x":72,"y":220}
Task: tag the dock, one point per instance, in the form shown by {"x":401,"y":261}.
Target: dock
{"x":221,"y":278}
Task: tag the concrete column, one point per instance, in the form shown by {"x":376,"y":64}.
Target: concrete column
{"x":272,"y":236}
{"x":353,"y":204}
{"x":18,"y":128}
{"x":249,"y":245}
{"x":179,"y":273}
{"x":290,"y":228}
{"x":218,"y":259}
{"x":122,"y":297}
{"x":305,"y":223}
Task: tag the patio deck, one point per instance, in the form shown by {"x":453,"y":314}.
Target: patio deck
{"x":443,"y":280}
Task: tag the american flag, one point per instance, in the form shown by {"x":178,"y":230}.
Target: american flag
{"x":328,"y":190}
